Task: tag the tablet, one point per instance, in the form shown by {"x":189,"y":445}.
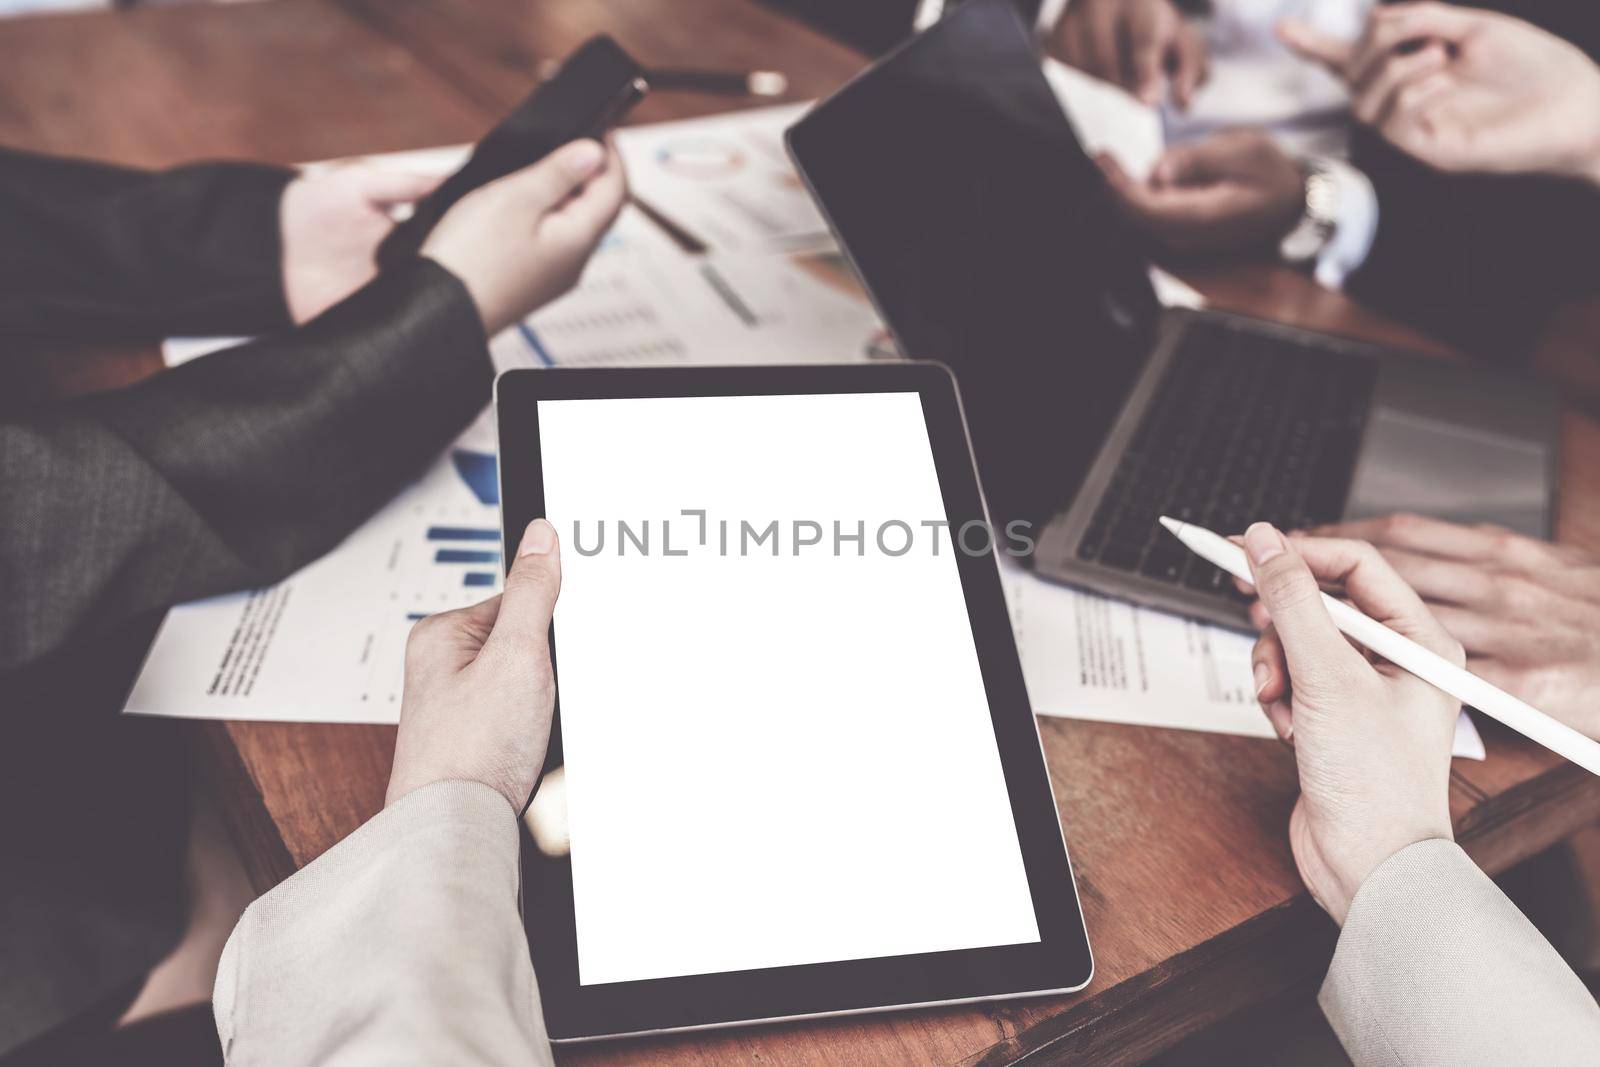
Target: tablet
{"x":798,"y":770}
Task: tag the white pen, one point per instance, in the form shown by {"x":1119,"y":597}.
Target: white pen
{"x":1432,"y":668}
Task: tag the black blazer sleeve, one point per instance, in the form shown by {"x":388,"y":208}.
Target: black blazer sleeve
{"x":1478,"y":259}
{"x":232,"y":471}
{"x":95,"y":251}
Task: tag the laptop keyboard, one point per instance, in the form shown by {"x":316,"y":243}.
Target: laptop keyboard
{"x":1243,"y":428}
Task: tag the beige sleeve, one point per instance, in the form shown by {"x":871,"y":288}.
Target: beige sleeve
{"x":402,"y":944}
{"x":1436,"y":966}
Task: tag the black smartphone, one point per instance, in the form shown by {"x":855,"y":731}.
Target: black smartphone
{"x":592,"y":91}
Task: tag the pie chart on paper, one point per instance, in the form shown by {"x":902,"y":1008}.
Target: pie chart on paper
{"x":702,"y":157}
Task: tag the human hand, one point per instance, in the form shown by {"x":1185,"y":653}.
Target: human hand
{"x":1233,"y":190}
{"x":1145,"y":46}
{"x":479,"y":691}
{"x":1371,"y":740}
{"x":1527,"y":611}
{"x":331,"y":223}
{"x":1468,"y":90}
{"x":520,"y":242}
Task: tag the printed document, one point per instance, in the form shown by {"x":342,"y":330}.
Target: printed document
{"x":726,"y":180}
{"x":1088,"y":656}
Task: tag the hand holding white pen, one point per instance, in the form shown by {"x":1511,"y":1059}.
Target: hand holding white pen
{"x":1338,"y":561}
{"x":1372,"y":741}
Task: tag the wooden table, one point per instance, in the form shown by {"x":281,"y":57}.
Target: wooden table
{"x":1178,"y":839}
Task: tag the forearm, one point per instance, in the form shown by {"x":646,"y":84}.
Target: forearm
{"x":1435,"y":965}
{"x":235,"y":470}
{"x":402,"y":944}
{"x":98,"y":251}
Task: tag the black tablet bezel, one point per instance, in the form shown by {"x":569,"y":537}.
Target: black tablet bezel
{"x":1059,"y":962}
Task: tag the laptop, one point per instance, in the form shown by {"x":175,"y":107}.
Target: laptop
{"x":990,"y":242}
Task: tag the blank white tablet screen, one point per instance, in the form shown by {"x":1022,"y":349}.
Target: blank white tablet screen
{"x":777,"y":752}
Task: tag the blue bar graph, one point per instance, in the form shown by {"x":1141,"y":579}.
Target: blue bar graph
{"x":466,"y":555}
{"x":539,"y":349}
{"x":478,"y":578}
{"x":462,"y":533}
{"x":480,"y":471}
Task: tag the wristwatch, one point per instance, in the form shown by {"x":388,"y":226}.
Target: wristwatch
{"x":1319,"y":218}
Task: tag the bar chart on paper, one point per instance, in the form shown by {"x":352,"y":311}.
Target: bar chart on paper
{"x":328,"y":643}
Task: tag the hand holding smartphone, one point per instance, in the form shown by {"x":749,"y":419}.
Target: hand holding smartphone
{"x":594,"y":89}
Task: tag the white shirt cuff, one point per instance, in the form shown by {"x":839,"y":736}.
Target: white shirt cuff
{"x":1049,"y":14}
{"x":1355,"y":229}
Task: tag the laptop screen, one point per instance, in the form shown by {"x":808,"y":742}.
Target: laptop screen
{"x":990,"y":243}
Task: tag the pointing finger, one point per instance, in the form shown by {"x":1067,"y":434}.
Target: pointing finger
{"x":1332,"y":52}
{"x":1102,"y":34}
{"x":1191,"y":64}
{"x":1151,"y":33}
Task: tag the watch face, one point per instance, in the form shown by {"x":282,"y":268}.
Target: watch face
{"x":1311,"y":234}
{"x":1322,"y":198}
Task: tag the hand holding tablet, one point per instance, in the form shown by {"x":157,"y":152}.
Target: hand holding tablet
{"x":801,"y":769}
